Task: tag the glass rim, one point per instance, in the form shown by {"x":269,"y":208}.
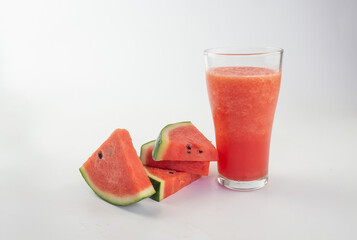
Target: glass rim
{"x":243,"y":51}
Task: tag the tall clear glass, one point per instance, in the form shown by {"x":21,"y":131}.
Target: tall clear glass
{"x":243,"y":87}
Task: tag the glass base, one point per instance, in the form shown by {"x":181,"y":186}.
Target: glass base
{"x":243,"y":185}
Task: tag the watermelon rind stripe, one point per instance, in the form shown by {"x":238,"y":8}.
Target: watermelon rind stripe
{"x":143,"y":150}
{"x":122,"y":201}
{"x":162,"y":140}
{"x":159,"y":186}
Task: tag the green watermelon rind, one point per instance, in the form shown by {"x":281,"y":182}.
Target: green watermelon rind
{"x":162,"y":140}
{"x":159,"y":186}
{"x":122,"y":201}
{"x":143,"y":150}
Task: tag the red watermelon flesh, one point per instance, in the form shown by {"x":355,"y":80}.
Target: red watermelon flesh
{"x":194,"y":167}
{"x":168,"y":182}
{"x":115,"y":172}
{"x":183,"y":142}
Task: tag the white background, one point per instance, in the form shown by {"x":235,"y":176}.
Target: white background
{"x":73,"y":71}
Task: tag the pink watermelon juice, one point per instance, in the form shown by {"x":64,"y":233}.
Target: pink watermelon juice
{"x":243,"y":101}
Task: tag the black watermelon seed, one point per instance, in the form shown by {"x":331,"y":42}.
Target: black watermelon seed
{"x":188,"y":151}
{"x":100,"y":155}
{"x":171,"y":172}
{"x":200,"y":151}
{"x":188,"y":146}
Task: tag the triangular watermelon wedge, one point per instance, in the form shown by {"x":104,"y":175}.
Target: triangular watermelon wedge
{"x":168,"y":182}
{"x":115,"y":172}
{"x":182,"y":141}
{"x":194,"y":167}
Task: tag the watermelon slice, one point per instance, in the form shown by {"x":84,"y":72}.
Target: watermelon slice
{"x":115,"y":173}
{"x":167,"y":182}
{"x":194,"y":167}
{"x":183,"y":142}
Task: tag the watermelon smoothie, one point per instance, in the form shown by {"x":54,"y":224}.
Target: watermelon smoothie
{"x":243,"y":101}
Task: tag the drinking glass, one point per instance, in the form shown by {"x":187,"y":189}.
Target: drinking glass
{"x":243,"y":86}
